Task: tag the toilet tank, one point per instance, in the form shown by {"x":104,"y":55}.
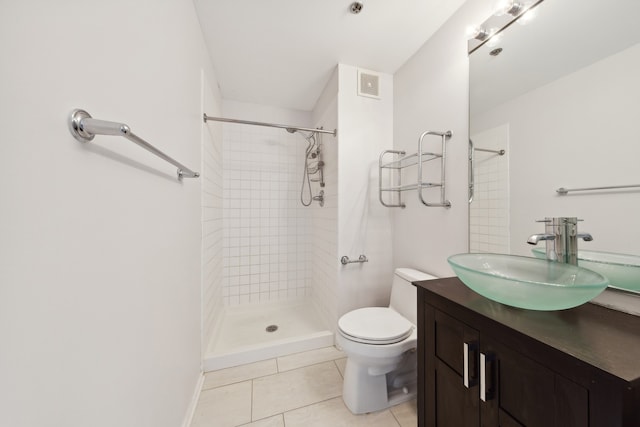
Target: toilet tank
{"x":404,"y":296}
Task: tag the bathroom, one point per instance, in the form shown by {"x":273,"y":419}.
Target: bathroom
{"x":113,"y":270}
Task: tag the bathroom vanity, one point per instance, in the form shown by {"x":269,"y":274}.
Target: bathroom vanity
{"x":482,"y":363}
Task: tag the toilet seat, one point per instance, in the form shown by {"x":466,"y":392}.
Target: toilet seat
{"x":375,"y":325}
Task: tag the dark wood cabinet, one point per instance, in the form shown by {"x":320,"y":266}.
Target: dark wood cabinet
{"x":453,"y":402}
{"x":486,"y":364}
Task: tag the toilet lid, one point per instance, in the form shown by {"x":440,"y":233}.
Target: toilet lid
{"x":375,"y":325}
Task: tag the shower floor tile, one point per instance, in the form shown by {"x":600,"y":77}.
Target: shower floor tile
{"x":302,"y":389}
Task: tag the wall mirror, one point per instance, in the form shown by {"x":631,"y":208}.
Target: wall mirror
{"x":561,"y":96}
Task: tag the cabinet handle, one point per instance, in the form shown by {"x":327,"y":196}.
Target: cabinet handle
{"x":486,"y":376}
{"x":469,"y":371}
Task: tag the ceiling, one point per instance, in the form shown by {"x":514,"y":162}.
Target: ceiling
{"x":282,"y":52}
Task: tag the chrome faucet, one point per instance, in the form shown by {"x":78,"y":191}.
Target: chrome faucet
{"x":561,"y":238}
{"x":535,"y":238}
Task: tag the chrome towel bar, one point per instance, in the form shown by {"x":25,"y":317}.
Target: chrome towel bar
{"x":83,"y":128}
{"x":345,"y":260}
{"x":562,"y":191}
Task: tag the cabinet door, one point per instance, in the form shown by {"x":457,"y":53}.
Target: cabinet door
{"x":516,"y":391}
{"x":453,"y":386}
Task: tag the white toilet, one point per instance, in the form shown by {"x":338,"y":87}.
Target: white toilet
{"x":380,"y":343}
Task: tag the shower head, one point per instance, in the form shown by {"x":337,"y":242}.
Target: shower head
{"x":291,"y":130}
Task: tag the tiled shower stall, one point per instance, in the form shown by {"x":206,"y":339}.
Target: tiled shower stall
{"x":266,"y":229}
{"x":280,"y":259}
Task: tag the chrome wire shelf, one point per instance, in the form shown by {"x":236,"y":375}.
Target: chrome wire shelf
{"x":419,"y":159}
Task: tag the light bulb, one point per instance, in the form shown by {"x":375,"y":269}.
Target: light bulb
{"x":493,"y":41}
{"x":527,"y":17}
{"x":478,"y":33}
{"x":483,"y":35}
{"x":471,"y":31}
{"x":500,"y":7}
{"x":512,"y":7}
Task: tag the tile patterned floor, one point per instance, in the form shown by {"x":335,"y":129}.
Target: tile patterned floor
{"x":300,"y":390}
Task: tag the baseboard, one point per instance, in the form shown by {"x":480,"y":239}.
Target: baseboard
{"x":191,"y":410}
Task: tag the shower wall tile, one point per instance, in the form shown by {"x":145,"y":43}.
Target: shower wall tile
{"x":489,"y":211}
{"x":266,"y":237}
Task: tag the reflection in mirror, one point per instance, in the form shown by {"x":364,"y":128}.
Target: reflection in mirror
{"x":562,"y":98}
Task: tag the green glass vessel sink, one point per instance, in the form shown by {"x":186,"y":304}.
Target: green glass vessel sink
{"x":524,"y":282}
{"x":622,"y":270}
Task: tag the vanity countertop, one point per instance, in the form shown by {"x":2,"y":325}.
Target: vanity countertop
{"x":606,"y":339}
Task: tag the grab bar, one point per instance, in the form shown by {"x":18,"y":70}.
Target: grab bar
{"x":83,"y":128}
{"x":345,"y":260}
{"x":562,"y":191}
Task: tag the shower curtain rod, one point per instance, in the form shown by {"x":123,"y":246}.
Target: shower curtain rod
{"x":486,"y":150}
{"x":289,"y":129}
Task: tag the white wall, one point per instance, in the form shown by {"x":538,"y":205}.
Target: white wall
{"x":365,"y":129}
{"x":100,"y":247}
{"x":266,"y":228}
{"x":431,"y":93}
{"x":212,"y":215}
{"x":566,"y":134}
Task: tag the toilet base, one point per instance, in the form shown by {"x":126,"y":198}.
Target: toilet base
{"x":363,"y":392}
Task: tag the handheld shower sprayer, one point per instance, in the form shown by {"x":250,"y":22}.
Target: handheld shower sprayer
{"x":312,"y":155}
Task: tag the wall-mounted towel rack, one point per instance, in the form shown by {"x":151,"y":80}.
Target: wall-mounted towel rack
{"x":288,"y":128}
{"x":563,"y":191}
{"x":83,"y":127}
{"x":472,"y":151}
{"x":405,"y":160}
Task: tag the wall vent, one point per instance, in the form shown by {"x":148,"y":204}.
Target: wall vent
{"x":368,"y":84}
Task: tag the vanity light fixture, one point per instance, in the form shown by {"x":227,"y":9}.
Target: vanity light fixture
{"x":479,"y":33}
{"x":505,"y":12}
